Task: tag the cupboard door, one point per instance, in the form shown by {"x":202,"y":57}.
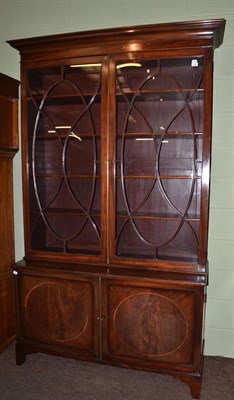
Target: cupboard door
{"x":149,"y":325}
{"x":158,"y":149}
{"x":60,"y":312}
{"x":64,"y":126}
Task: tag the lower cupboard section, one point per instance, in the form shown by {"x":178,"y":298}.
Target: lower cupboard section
{"x":59,"y":313}
{"x":137,"y":323}
{"x":150,"y":324}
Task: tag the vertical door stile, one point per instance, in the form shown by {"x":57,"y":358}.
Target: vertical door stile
{"x":104,"y":158}
{"x":111,"y":159}
{"x":25,"y":155}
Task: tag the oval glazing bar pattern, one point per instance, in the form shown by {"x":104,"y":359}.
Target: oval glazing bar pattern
{"x":158,"y":205}
{"x":64,"y":118}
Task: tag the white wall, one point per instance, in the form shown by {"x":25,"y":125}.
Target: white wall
{"x":27,"y":18}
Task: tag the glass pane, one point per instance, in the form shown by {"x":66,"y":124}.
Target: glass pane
{"x":159,"y":136}
{"x":64,"y":114}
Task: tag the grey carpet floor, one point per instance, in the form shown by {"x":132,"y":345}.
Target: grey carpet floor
{"x":45,"y":377}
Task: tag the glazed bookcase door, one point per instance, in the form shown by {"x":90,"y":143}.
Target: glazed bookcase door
{"x":65,"y":136}
{"x":158,"y":150}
